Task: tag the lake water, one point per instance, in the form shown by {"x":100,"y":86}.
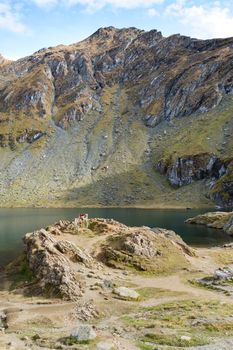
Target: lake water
{"x":14,"y":223}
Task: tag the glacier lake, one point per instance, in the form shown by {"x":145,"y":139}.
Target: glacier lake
{"x":14,"y":223}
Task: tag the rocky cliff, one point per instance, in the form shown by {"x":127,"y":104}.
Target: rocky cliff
{"x":93,"y":122}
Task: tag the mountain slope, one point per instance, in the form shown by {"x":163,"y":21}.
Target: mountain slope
{"x":121,"y":118}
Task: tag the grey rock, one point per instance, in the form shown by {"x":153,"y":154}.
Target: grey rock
{"x":126,"y":293}
{"x":84,"y":333}
{"x":224,"y":273}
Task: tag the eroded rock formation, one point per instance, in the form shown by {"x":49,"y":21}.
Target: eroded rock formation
{"x":50,"y":261}
{"x":61,"y":267}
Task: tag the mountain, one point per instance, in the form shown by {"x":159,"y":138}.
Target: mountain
{"x":125,"y":117}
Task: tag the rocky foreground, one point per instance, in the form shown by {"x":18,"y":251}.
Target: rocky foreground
{"x":98,"y":284}
{"x":56,"y":262}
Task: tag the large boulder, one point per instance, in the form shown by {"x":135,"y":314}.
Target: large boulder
{"x":84,"y":333}
{"x":126,"y":293}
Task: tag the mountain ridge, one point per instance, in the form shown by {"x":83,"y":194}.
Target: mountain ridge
{"x":101,"y":113}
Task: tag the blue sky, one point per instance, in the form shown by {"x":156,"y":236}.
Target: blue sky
{"x":28,"y":25}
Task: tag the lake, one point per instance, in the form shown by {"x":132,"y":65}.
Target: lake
{"x":14,"y":223}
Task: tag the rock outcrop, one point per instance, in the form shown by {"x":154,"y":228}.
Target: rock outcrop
{"x":143,"y":249}
{"x":62,"y":268}
{"x":222,"y":191}
{"x":184,"y":170}
{"x":221,"y":280}
{"x":51,"y":263}
{"x":218,"y":220}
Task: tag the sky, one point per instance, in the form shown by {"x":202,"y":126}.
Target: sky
{"x":29,"y":25}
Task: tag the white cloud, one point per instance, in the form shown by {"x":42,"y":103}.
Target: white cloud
{"x":152,"y":12}
{"x":98,"y":4}
{"x":203,"y":21}
{"x":45,"y":2}
{"x":9,"y":19}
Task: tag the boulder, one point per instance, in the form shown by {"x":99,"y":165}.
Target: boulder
{"x":84,"y":333}
{"x":221,"y":280}
{"x":224,"y":273}
{"x":126,"y":293}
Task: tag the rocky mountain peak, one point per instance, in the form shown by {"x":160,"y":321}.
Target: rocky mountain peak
{"x":104,"y":31}
{"x":108,"y":97}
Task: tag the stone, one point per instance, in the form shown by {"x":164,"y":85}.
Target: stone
{"x":36,"y":337}
{"x":224,"y":273}
{"x":221,"y":280}
{"x":126,"y":293}
{"x":186,"y":338}
{"x":84,"y":333}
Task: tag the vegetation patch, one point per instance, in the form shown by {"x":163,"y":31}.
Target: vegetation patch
{"x":182,"y":323}
{"x":152,"y":292}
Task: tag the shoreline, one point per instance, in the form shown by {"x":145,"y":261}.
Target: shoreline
{"x":142,"y":207}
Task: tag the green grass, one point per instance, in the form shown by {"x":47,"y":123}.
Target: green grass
{"x":173,"y":340}
{"x":152,"y":292}
{"x":165,"y":324}
{"x":76,"y":344}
